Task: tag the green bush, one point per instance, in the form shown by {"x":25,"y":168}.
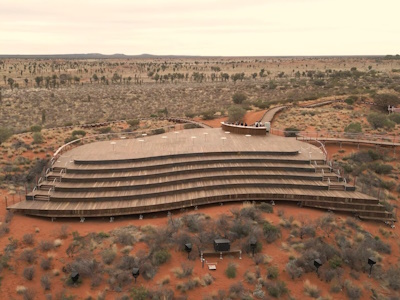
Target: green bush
{"x":238,"y":98}
{"x":395,"y":118}
{"x":81,"y":133}
{"x":383,"y":100}
{"x":266,"y":207}
{"x":104,"y":130}
{"x":379,"y":168}
{"x":161,"y":256}
{"x":272,"y":272}
{"x":139,"y":293}
{"x":5,"y":133}
{"x":208,"y":115}
{"x":271,"y":232}
{"x":191,"y":126}
{"x":36,"y":128}
{"x":277,"y":289}
{"x":133,"y":122}
{"x":158,"y":131}
{"x":291,"y":131}
{"x":349,"y":101}
{"x":379,"y":120}
{"x":37,"y":138}
{"x":231,"y":270}
{"x":236,"y":113}
{"x":335,"y":262}
{"x":353,"y":128}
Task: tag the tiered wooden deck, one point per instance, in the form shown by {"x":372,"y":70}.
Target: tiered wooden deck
{"x":191,"y":168}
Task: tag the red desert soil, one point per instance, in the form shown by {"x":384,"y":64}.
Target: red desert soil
{"x":21,"y":225}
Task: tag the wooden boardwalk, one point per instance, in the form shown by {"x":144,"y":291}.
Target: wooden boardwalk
{"x":191,"y":168}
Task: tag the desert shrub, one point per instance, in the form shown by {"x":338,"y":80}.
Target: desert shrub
{"x":353,"y":128}
{"x":238,"y":98}
{"x":291,"y":131}
{"x":184,"y":271}
{"x":276,"y":289}
{"x":124,"y":238}
{"x":46,"y":246}
{"x":127,"y":262}
{"x":236,"y":289}
{"x":85,"y":266}
{"x":236,"y":113}
{"x":352,"y":291}
{"x":272,"y":272}
{"x":259,"y":258}
{"x":336,"y":288}
{"x":160,"y":257}
{"x":395,"y":118}
{"x":311,"y":290}
{"x":378,"y":120}
{"x":230,"y":271}
{"x":139,"y":293}
{"x":36,"y":128}
{"x":379,"y":168}
{"x":158,"y":131}
{"x":104,"y":130}
{"x":271,"y":232}
{"x":266,"y":207}
{"x":383,"y":100}
{"x":108,"y":256}
{"x":45,"y":263}
{"x":96,"y":280}
{"x":28,"y":239}
{"x":258,"y":292}
{"x":208,"y":115}
{"x":28,"y":255}
{"x":160,"y":294}
{"x":293,"y":270}
{"x":191,"y":126}
{"x":45,"y":282}
{"x":5,"y":133}
{"x":335,"y":262}
{"x":133,"y":122}
{"x":29,"y":272}
{"x":37,"y":138}
{"x":80,"y":133}
{"x":329,"y":274}
{"x":349,"y":101}
{"x":250,"y":277}
{"x":251,"y":213}
{"x":148,"y":271}
{"x":28,"y":294}
{"x":393,"y":277}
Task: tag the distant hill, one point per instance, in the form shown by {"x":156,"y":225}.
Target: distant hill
{"x":153,"y":56}
{"x":89,"y":56}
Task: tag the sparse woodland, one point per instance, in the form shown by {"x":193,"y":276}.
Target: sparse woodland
{"x":39,"y":97}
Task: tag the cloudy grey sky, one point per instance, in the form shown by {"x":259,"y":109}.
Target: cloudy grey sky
{"x":206,"y":27}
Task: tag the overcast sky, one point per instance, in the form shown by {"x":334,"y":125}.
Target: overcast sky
{"x":193,"y":27}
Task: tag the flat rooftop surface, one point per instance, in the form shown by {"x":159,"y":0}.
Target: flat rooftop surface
{"x":188,"y":141}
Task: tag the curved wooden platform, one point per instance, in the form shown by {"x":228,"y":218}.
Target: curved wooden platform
{"x":191,"y":168}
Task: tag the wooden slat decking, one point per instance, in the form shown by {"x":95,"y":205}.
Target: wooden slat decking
{"x":181,"y":170}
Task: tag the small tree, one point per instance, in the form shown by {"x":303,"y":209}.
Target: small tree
{"x":5,"y":133}
{"x":353,"y":128}
{"x":238,"y":98}
{"x":236,"y":113}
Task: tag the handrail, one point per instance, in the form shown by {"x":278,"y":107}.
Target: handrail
{"x":50,"y":190}
{"x":40,"y":180}
{"x":329,"y":183}
{"x":345,"y":183}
